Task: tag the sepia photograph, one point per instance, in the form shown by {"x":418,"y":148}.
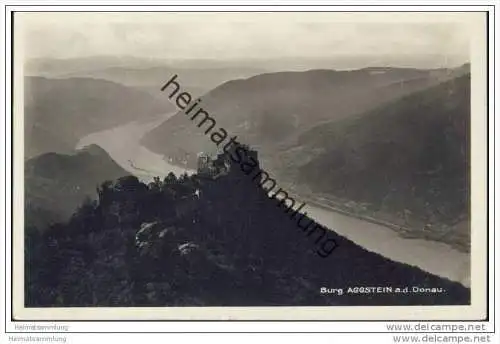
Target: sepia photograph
{"x":249,"y":165}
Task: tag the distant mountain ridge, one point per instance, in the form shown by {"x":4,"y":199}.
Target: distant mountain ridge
{"x":197,"y":80}
{"x":58,"y":112}
{"x":59,"y":66}
{"x":269,"y":109}
{"x":199,"y":76}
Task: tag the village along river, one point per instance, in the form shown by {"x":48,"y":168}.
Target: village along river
{"x":123,"y":145}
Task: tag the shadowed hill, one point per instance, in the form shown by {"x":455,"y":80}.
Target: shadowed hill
{"x":56,"y":184}
{"x":200,"y":241}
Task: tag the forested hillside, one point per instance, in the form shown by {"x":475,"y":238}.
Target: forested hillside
{"x":409,"y":158}
{"x":198,"y":241}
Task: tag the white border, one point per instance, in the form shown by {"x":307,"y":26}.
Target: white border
{"x":252,"y":326}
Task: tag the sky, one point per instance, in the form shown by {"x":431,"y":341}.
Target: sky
{"x":233,"y":36}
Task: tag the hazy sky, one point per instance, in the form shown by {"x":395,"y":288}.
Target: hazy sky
{"x":229,"y":36}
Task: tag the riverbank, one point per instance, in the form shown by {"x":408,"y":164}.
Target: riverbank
{"x":460,"y":244}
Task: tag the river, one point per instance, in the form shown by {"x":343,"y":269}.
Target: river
{"x":123,"y":145}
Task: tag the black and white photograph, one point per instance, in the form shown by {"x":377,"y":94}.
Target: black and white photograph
{"x":193,"y":161}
